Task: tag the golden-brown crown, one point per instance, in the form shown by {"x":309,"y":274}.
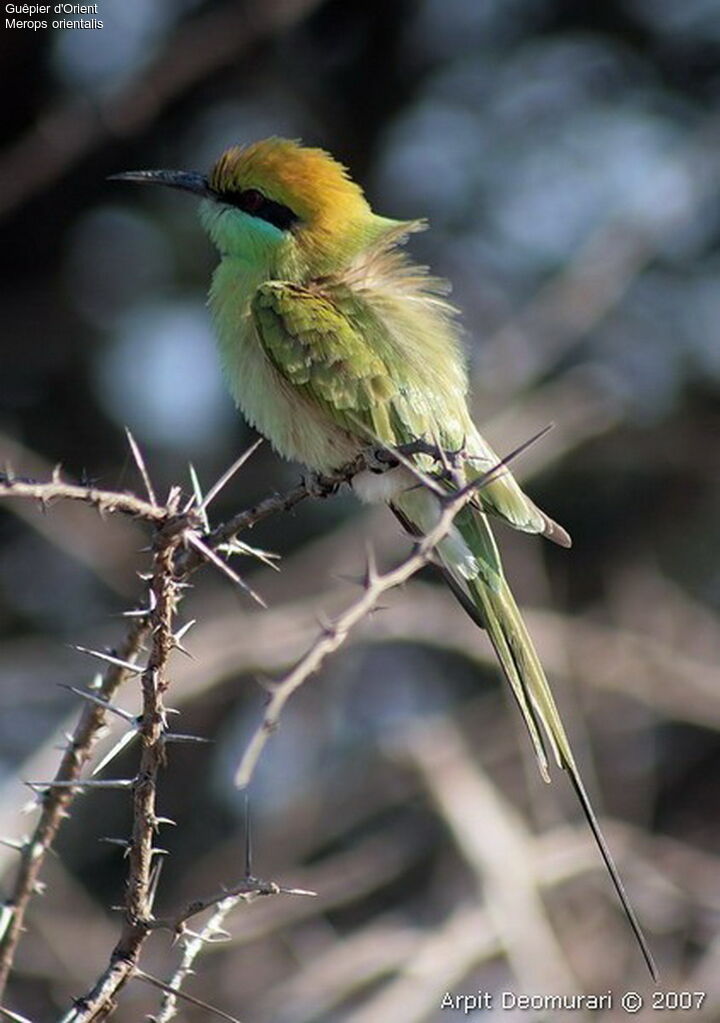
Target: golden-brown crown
{"x":309,"y":181}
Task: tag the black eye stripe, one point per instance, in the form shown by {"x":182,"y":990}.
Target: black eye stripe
{"x":257,"y":205}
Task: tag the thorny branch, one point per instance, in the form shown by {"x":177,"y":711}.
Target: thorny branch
{"x":173,"y":561}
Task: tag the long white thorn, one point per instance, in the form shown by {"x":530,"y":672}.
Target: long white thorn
{"x":238,"y":547}
{"x":182,"y":737}
{"x":197,"y":499}
{"x":13,"y":843}
{"x":98,"y":700}
{"x":116,"y":783}
{"x":229,"y":473}
{"x":6,"y":914}
{"x":210,"y":555}
{"x":15,"y":1017}
{"x":142,"y":468}
{"x":136,"y":669}
{"x":142,"y":612}
{"x":184,"y":629}
{"x":119,"y":746}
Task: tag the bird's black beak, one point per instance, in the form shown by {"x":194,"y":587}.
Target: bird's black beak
{"x":187,"y":181}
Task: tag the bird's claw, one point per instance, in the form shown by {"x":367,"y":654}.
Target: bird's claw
{"x":321,"y":486}
{"x":379,"y":459}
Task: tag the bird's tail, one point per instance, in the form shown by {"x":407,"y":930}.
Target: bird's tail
{"x":471,"y":564}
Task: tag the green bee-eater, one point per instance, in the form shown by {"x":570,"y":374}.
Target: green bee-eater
{"x":330,"y":339}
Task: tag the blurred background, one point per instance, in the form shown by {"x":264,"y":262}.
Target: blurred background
{"x":567,"y":156}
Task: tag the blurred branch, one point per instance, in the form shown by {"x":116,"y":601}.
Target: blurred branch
{"x":59,"y":934}
{"x":364,"y":957}
{"x":14,"y":1017}
{"x":581,"y":405}
{"x":422,"y":964}
{"x":431,"y":962}
{"x":434,"y":966}
{"x":497,"y":845}
{"x":70,"y":131}
{"x":593,"y":282}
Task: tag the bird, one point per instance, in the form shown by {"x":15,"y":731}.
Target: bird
{"x":331,"y":339}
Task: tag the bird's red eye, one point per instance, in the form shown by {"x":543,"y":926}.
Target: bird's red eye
{"x":252,"y":200}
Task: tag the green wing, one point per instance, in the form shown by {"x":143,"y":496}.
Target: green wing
{"x":334,"y":348}
{"x":325,"y":355}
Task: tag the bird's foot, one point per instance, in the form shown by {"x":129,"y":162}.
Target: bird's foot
{"x":379,"y":459}
{"x":321,"y":486}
